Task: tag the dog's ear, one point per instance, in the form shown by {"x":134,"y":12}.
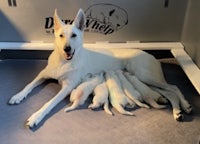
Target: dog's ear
{"x":111,"y":12}
{"x":80,"y":20}
{"x":57,"y":21}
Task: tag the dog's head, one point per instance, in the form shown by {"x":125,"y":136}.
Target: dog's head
{"x":69,"y":38}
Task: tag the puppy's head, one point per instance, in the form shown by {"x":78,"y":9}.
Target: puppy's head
{"x":69,"y":38}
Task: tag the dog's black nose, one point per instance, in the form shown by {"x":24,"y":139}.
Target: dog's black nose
{"x":67,"y":49}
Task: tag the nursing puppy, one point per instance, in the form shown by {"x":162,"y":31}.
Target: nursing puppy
{"x":101,"y":98}
{"x":130,"y":91}
{"x":81,"y":93}
{"x":147,"y":95}
{"x":70,"y":62}
{"x":117,"y":97}
{"x":146,"y":91}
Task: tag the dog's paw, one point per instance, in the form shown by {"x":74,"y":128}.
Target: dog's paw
{"x":178,"y":116}
{"x":34,"y":120}
{"x":16,"y":99}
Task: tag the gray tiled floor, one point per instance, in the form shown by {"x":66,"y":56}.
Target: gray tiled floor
{"x":84,"y":126}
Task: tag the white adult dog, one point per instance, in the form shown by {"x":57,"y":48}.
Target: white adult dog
{"x":70,"y":62}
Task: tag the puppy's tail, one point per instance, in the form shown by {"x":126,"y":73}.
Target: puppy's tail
{"x":92,"y":106}
{"x":140,"y":104}
{"x":106,"y":108}
{"x":120,"y":109}
{"x":72,"y":107}
{"x":152,"y":102}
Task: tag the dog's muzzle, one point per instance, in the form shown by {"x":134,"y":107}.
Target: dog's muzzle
{"x":68,"y":53}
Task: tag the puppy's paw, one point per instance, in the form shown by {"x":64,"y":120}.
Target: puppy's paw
{"x":34,"y":120}
{"x":68,"y":109}
{"x":93,"y":106}
{"x":16,"y":99}
{"x":187,"y":108}
{"x":162,"y":100}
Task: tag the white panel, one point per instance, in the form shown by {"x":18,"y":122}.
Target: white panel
{"x":49,"y":46}
{"x":189,"y":67}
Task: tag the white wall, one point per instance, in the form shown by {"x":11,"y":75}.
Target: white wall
{"x":191,"y":31}
{"x":148,"y":20}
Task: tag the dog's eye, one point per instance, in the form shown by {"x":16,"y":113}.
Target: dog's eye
{"x":61,"y":35}
{"x":73,"y":35}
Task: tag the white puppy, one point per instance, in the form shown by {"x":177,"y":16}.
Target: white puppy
{"x":148,"y":95}
{"x":130,"y":91}
{"x":101,"y":98}
{"x":81,"y":93}
{"x":117,"y":96}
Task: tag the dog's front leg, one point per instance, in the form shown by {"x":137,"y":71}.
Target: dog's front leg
{"x":36,"y":118}
{"x":16,"y":99}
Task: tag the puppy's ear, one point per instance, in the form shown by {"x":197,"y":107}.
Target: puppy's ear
{"x":57,"y":21}
{"x":80,"y":20}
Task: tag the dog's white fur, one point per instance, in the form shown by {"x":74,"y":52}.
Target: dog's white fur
{"x":116,"y":95}
{"x":147,"y":94}
{"x":82,"y":92}
{"x":101,"y":98}
{"x":69,"y":66}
